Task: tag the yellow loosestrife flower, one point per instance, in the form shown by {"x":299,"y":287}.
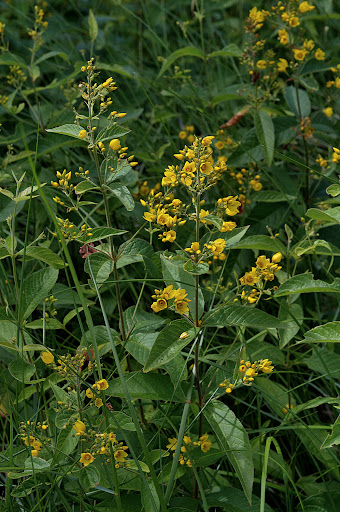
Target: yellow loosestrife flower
{"x":319,"y":54}
{"x":86,"y":458}
{"x":101,"y":385}
{"x":79,"y":427}
{"x":47,"y":357}
{"x":299,"y":53}
{"x":82,"y":134}
{"x":282,"y":65}
{"x":306,"y":7}
{"x":115,"y":144}
{"x":328,"y":111}
{"x":159,"y":305}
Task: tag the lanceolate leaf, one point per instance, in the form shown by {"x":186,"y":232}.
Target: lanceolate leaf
{"x":170,"y":341}
{"x":305,"y":283}
{"x":35,"y":289}
{"x":72,"y":130}
{"x":241,"y":315}
{"x":261,"y":243}
{"x":332,"y":215}
{"x":123,"y":194}
{"x":188,"y":51}
{"x":99,"y":234}
{"x":233,"y":438}
{"x":265,"y":133}
{"x":329,"y":333}
{"x":43,"y":254}
{"x":153,"y":386}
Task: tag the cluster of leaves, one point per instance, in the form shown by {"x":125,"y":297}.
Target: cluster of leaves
{"x":133,"y":368}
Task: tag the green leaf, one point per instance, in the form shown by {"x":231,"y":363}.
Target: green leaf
{"x":152,"y":386}
{"x":305,"y":283}
{"x":332,"y":215}
{"x":309,"y":83}
{"x":21,"y":370}
{"x":234,"y":500}
{"x":272,"y":196}
{"x":261,"y":243}
{"x":241,"y":315}
{"x":231,"y":50}
{"x":196,"y":268}
{"x":10,"y":59}
{"x":50,"y":324}
{"x":101,"y":266}
{"x":93,"y":26}
{"x":66,"y":443}
{"x":43,"y":254}
{"x":169,"y":343}
{"x":25,"y":488}
{"x":122,"y":420}
{"x":275,"y":395}
{"x":35,"y":288}
{"x":84,"y":186}
{"x":123,"y":194}
{"x":299,"y":103}
{"x":188,"y":51}
{"x":4,"y":253}
{"x":174,"y":273}
{"x":334,"y":437}
{"x":63,"y":418}
{"x":333,"y":190}
{"x":234,"y":440}
{"x":327,"y":333}
{"x":264,"y":128}
{"x":113,"y":132}
{"x":99,"y":234}
{"x":72,"y":130}
{"x":213,"y":219}
{"x":37,"y":464}
{"x":89,"y":477}
{"x":51,"y":54}
{"x":325,"y":363}
{"x":147,"y":502}
{"x":292,"y":315}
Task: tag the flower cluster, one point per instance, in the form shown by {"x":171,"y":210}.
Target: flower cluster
{"x":246,"y":373}
{"x":263,"y":271}
{"x":169,"y":298}
{"x":102,"y":444}
{"x":33,"y":442}
{"x":40,"y":26}
{"x":184,"y":459}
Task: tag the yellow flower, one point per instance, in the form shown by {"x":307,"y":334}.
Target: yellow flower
{"x":181,"y":306}
{"x":308,"y":44}
{"x":150,"y":216}
{"x":299,"y":53}
{"x":47,"y":357}
{"x":206,"y":168}
{"x":232,"y":205}
{"x":277,"y":257}
{"x":305,"y":7}
{"x":186,"y":439}
{"x":203,"y":213}
{"x":89,"y":393}
{"x":101,"y":385}
{"x":205,"y":446}
{"x":112,"y":437}
{"x":120,"y":455}
{"x":169,"y":236}
{"x":115,"y":144}
{"x":261,"y":64}
{"x":172,"y":443}
{"x":282,"y":65}
{"x":29,"y":440}
{"x":328,"y":111}
{"x":283,"y":36}
{"x":206,"y":141}
{"x":228,"y":226}
{"x":265,"y":366}
{"x":169,"y":178}
{"x":191,"y":138}
{"x":159,"y":305}
{"x":319,"y":54}
{"x":86,"y":458}
{"x":219,"y":144}
{"x":34,"y":453}
{"x":182,"y":135}
{"x":163,"y":219}
{"x":217,"y":246}
{"x":168,"y":293}
{"x":82,"y":134}
{"x":79,"y":427}
{"x":262,"y":262}
{"x":294,"y":21}
{"x":249,"y":278}
{"x":98,"y":402}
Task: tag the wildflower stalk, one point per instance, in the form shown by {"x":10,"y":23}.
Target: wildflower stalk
{"x":132,"y":411}
{"x":307,"y":198}
{"x":107,"y":215}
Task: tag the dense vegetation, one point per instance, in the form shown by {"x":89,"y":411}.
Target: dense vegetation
{"x":169,"y":256}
